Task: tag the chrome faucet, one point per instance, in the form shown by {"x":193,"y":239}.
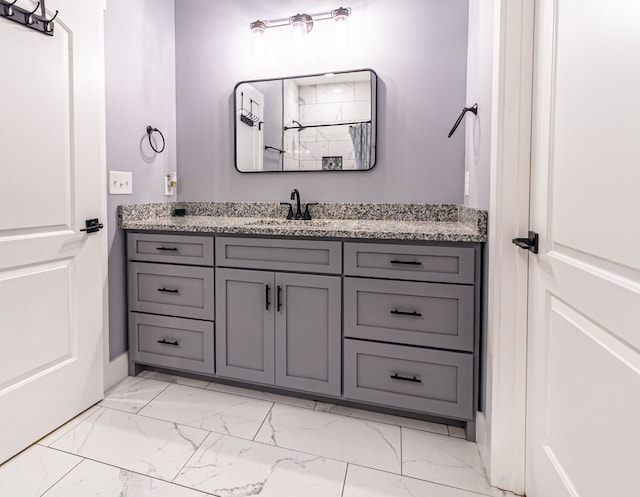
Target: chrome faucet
{"x":295,"y":195}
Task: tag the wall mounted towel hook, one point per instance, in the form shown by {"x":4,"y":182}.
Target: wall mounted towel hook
{"x":150,"y":131}
{"x":473,"y":109}
{"x":49,"y":23}
{"x":8,"y":8}
{"x":30,"y":20}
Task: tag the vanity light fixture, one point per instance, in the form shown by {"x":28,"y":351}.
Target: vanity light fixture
{"x":301,"y":23}
{"x":257,"y":38}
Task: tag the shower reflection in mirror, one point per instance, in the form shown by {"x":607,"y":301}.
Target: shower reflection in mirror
{"x":324,"y":122}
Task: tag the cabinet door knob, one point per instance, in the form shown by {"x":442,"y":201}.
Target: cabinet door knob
{"x":267,"y":294}
{"x":164,"y":341}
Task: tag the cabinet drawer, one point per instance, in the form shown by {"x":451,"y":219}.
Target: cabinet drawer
{"x":287,"y":255}
{"x":172,"y":342}
{"x":410,"y":262}
{"x":426,"y":314}
{"x":433,"y":381}
{"x":177,"y":249}
{"x":171,"y":290}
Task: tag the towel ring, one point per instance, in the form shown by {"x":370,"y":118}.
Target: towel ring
{"x":150,"y":131}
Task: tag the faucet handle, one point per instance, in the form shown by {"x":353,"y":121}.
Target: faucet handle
{"x":307,"y":215}
{"x":290,"y":213}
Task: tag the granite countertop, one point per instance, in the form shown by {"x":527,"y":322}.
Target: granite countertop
{"x":420,"y":222}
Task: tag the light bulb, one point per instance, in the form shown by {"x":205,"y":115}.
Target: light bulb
{"x":258,"y":48}
{"x":340,"y":27}
{"x":301,"y":24}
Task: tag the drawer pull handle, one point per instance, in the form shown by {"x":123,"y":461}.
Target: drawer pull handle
{"x":396,"y":376}
{"x":405,"y":313}
{"x":407,"y":263}
{"x":168,"y":290}
{"x":279,"y":300}
{"x":167,"y":342}
{"x":267,"y":293}
{"x":167,"y":249}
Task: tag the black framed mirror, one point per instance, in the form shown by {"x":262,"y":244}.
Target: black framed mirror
{"x":317,"y":122}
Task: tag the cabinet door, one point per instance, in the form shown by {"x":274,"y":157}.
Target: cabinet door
{"x":244,"y":328}
{"x":308,"y":332}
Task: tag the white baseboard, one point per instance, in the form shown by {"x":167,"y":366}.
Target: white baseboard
{"x":482,"y":439}
{"x":117,"y":370}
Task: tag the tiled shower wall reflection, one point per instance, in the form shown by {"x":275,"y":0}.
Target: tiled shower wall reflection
{"x":322,"y":104}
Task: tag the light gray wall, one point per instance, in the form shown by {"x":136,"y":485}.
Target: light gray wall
{"x":417,"y":47}
{"x":140,"y":91}
{"x":478,"y":135}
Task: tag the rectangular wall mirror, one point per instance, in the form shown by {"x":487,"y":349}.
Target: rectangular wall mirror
{"x":319,"y":122}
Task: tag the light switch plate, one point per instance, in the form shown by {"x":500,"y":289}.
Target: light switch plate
{"x":120,"y":183}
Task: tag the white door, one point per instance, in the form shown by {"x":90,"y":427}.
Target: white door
{"x":583,"y":395}
{"x":52,"y":276}
{"x":250,"y":104}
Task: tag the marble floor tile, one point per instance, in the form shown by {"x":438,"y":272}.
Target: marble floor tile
{"x":170,"y":378}
{"x":367,"y":443}
{"x":445,"y":460}
{"x":456,"y":431}
{"x":95,"y":479}
{"x":35,"y":470}
{"x":56,"y":434}
{"x":416,"y":424}
{"x":213,"y":411}
{"x":144,"y":445}
{"x":257,"y":394}
{"x":230,"y":467}
{"x":365,"y":482}
{"x":132,"y":394}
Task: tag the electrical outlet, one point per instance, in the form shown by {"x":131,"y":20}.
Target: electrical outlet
{"x":466,"y":183}
{"x":120,"y":183}
{"x":170,"y":183}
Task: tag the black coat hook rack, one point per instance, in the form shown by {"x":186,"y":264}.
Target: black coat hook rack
{"x":473,"y":109}
{"x":29,"y":18}
{"x":247,"y":116}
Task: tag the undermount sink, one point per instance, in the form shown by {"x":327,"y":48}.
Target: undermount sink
{"x":289,"y":223}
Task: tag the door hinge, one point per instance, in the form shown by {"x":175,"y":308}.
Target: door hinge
{"x":530,"y":243}
{"x":92,"y":225}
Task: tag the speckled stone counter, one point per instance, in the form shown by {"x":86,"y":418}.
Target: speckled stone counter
{"x":420,"y":222}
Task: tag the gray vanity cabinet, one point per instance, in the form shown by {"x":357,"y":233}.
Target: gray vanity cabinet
{"x":170,"y":292}
{"x":411,"y":327}
{"x":279,"y":328}
{"x":392,"y":325}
